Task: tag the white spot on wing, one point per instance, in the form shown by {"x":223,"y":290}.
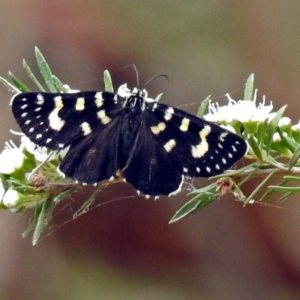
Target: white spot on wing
{"x":38,"y":109}
{"x":200,"y":149}
{"x":48,"y":141}
{"x":170,"y":145}
{"x":23,"y":115}
{"x":86,"y":128}
{"x":198,"y":170}
{"x":233,"y":148}
{"x":222,"y":136}
{"x":158,"y":128}
{"x":224,"y":161}
{"x":208,"y":169}
{"x":80,"y":102}
{"x":31,"y":129}
{"x":103,"y":117}
{"x":169,"y":113}
{"x":55,"y":122}
{"x":38,"y":136}
{"x":99,"y":99}
{"x":24,"y":106}
{"x":184,"y":124}
{"x":41,"y":99}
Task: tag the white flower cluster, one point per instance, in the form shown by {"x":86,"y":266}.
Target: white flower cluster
{"x":14,"y":160}
{"x":240,"y":110}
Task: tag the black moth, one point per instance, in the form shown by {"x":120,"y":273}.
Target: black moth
{"x":151,"y":144}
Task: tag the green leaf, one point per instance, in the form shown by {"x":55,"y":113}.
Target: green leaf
{"x":86,"y":205}
{"x":273,"y":128}
{"x":294,"y":159}
{"x":290,"y":177}
{"x":203,"y":107}
{"x":249,"y":88}
{"x":63,"y":195}
{"x":17,"y":82}
{"x":59,"y":86}
{"x":259,"y":186}
{"x":32,"y":77}
{"x":10,"y":86}
{"x":107,"y":82}
{"x":200,"y":201}
{"x":45,"y":70}
{"x":290,"y":189}
{"x":285,"y":196}
{"x":42,"y":219}
{"x":254,"y":146}
{"x":288,"y":142}
{"x":262,"y":132}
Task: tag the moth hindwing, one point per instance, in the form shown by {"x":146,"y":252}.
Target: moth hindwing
{"x":153,"y":146}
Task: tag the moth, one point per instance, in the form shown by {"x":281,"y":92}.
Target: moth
{"x":149,"y":144}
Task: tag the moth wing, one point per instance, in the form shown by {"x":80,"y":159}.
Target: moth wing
{"x":57,"y":120}
{"x":202,"y":148}
{"x":95,"y":157}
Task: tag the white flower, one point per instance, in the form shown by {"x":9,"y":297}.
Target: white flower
{"x":285,"y":121}
{"x":2,"y":190}
{"x":11,"y":158}
{"x":11,"y":198}
{"x":40,"y":153}
{"x":69,"y":90}
{"x":241,"y":110}
{"x":229,"y":128}
{"x":276,"y":137}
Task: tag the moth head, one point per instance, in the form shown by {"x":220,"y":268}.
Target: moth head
{"x":126,"y":93}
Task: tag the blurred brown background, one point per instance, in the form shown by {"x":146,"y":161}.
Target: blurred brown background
{"x":126,"y":249}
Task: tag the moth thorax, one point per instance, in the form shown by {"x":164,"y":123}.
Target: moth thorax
{"x":135,"y":104}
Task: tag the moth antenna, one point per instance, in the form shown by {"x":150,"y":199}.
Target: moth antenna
{"x":136,"y":73}
{"x":154,"y":77}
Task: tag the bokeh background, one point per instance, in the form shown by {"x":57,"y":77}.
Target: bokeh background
{"x":126,"y":249}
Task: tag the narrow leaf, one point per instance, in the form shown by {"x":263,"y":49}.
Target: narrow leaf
{"x":108,"y":82}
{"x":198,"y":202}
{"x":290,"y":177}
{"x":294,"y":159}
{"x":262,"y":132}
{"x":288,"y":142}
{"x":32,"y":76}
{"x":17,"y":82}
{"x":10,"y":86}
{"x":285,"y":196}
{"x":59,"y":86}
{"x":45,"y":70}
{"x":43,"y":219}
{"x":203,"y":107}
{"x":254,"y":146}
{"x":192,"y":206}
{"x":290,"y":189}
{"x":248,"y":93}
{"x":273,"y":128}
